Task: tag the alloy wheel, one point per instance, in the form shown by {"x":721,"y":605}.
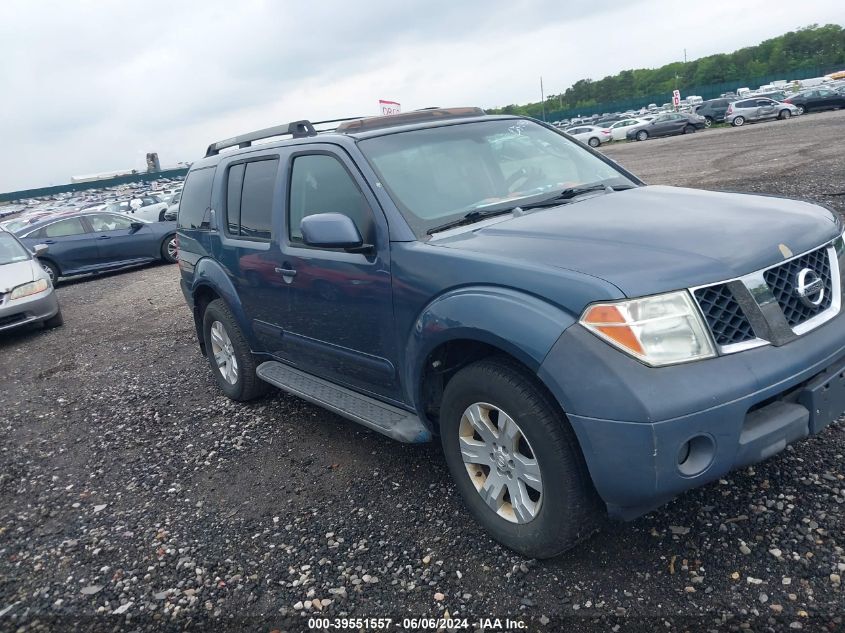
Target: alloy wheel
{"x":49,"y":270}
{"x":172,"y":248}
{"x":224,"y":353}
{"x":500,"y":462}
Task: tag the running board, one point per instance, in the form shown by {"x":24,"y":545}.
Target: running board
{"x":392,"y":421}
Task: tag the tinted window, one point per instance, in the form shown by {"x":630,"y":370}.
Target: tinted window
{"x":234,"y":185}
{"x":196,"y":196}
{"x":108,"y":222}
{"x":72,"y":226}
{"x":256,"y":210}
{"x":321,"y":184}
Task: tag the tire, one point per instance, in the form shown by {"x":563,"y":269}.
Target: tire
{"x":801,"y":109}
{"x":547,"y":522}
{"x":54,"y":321}
{"x":689,"y":129}
{"x":240,"y":382}
{"x":169,"y":250}
{"x":161,"y":215}
{"x":784,"y":114}
{"x":642,"y":135}
{"x":51,"y":269}
{"x":708,"y":121}
{"x":594,"y":142}
{"x":738,"y":121}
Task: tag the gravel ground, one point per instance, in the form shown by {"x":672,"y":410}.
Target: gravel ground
{"x":133,"y":496}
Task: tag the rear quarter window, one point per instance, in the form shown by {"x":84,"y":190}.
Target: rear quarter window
{"x":196,"y":198}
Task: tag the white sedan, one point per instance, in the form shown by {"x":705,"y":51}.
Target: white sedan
{"x":590,"y":134}
{"x":618,"y":129}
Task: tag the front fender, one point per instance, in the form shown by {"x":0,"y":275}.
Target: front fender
{"x":208,"y":273}
{"x":520,"y":324}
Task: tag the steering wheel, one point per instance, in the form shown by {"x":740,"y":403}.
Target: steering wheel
{"x":523,"y":177}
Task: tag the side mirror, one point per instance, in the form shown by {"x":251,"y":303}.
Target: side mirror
{"x":136,"y":226}
{"x":39,"y":249}
{"x":330,"y":230}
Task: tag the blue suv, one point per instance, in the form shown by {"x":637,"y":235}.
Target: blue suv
{"x":581,"y":344}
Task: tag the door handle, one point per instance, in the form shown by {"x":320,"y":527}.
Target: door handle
{"x":104,"y":237}
{"x":49,"y":242}
{"x":286,"y":272}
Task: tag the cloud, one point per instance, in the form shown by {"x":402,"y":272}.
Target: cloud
{"x":90,"y":86}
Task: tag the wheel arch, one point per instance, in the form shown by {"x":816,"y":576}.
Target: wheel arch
{"x":471,"y":323}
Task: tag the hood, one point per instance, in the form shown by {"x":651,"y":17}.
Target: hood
{"x":13,"y":275}
{"x":655,"y":239}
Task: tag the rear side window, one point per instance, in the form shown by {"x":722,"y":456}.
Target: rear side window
{"x":65,"y":228}
{"x":196,"y":197}
{"x":249,"y":198}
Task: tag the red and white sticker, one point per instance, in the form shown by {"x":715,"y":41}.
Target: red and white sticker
{"x":386,"y":108}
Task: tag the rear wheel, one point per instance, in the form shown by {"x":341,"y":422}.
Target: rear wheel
{"x":800,"y":109}
{"x":784,"y":114}
{"x":689,"y":129}
{"x":738,"y":121}
{"x":515,"y":460}
{"x":170,"y":249}
{"x":594,"y":142}
{"x":642,"y":135}
{"x":231,"y":359}
{"x":51,"y":269}
{"x":708,"y":121}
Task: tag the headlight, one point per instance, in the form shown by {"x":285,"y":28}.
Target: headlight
{"x":659,"y":330}
{"x":32,"y":288}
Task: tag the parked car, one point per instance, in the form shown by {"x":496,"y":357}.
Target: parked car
{"x":150,"y":208}
{"x":758,"y":109}
{"x":581,"y":343}
{"x":666,"y":125}
{"x":95,"y":242}
{"x":618,"y":129}
{"x":817,"y":99}
{"x":713,"y":110}
{"x":26,"y":292}
{"x":172,"y":211}
{"x":590,"y":134}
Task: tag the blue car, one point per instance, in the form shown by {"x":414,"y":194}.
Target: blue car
{"x":98,"y":241}
{"x":581,"y":343}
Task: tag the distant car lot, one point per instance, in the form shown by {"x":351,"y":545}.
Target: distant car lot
{"x":121,"y":461}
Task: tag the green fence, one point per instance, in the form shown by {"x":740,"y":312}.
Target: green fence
{"x":11,"y":196}
{"x":709,"y":91}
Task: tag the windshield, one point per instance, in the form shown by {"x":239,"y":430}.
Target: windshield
{"x":11,"y":250}
{"x":439,"y":174}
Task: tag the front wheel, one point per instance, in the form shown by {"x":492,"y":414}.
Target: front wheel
{"x":54,"y":321}
{"x":738,"y":121}
{"x":642,"y":135}
{"x":708,"y":121}
{"x":170,"y":249}
{"x":51,"y":269}
{"x":594,"y":142}
{"x":515,"y":460}
{"x":689,"y":129}
{"x":232,"y":362}
{"x":784,"y":114}
{"x":800,"y":109}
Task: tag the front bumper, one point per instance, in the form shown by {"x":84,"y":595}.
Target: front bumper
{"x":39,"y":307}
{"x":633,"y":422}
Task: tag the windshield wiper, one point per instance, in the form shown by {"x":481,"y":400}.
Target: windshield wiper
{"x":569,"y":193}
{"x":468,"y":218}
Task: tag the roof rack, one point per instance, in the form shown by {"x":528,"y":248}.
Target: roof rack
{"x":296,"y":129}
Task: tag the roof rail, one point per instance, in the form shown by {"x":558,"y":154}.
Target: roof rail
{"x":296,"y":129}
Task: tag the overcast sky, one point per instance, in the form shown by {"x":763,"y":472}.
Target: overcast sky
{"x":92,"y":86}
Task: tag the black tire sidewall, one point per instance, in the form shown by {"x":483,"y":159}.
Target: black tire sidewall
{"x":556,"y":526}
{"x":594,"y":142}
{"x":247,"y":386}
{"x":164,"y":254}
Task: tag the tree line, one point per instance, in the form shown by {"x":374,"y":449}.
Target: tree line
{"x":810,"y":47}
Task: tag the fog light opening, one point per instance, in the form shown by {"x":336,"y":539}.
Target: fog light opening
{"x":695,"y":455}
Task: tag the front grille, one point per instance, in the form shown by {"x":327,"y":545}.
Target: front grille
{"x":783,"y":281}
{"x":726,"y":319}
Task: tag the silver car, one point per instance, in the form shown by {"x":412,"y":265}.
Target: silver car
{"x":758,"y":109}
{"x":26,"y":293}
